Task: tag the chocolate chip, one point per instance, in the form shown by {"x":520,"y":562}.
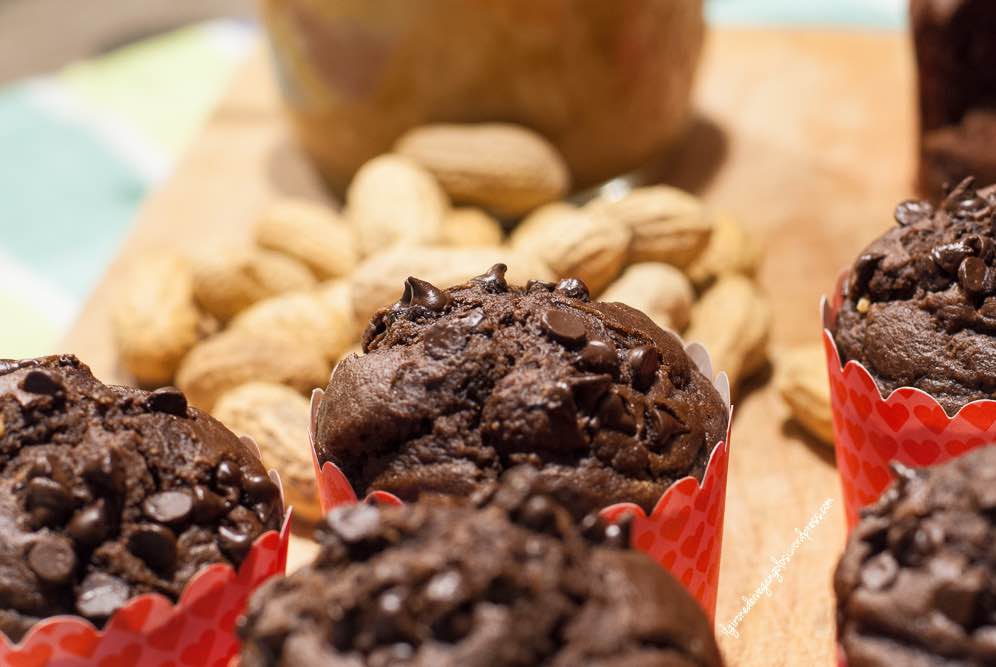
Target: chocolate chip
{"x":90,"y":526}
{"x":563,"y":326}
{"x":643,"y":363}
{"x":208,"y":505}
{"x":540,"y":286}
{"x":52,"y":559}
{"x":614,"y":413}
{"x":234,"y":543}
{"x":100,"y":595}
{"x":443,"y":340}
{"x":538,"y":514}
{"x":259,"y":487}
{"x":663,"y":426}
{"x":589,"y":389}
{"x":912,"y":210}
{"x":493,"y":280}
{"x":41,"y":382}
{"x":156,"y":545}
{"x":170,"y":507}
{"x":48,"y":502}
{"x":972,"y":275}
{"x":879,"y":571}
{"x":864,"y":269}
{"x":957,"y":599}
{"x":599,"y":355}
{"x":354,"y":523}
{"x":949,"y":256}
{"x":444,"y":587}
{"x":105,"y":471}
{"x":228,"y":474}
{"x":574,"y":288}
{"x":420,"y":293}
{"x":169,"y":400}
{"x":619,"y":533}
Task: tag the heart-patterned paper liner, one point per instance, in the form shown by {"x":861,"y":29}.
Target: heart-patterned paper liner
{"x":908,"y":426}
{"x":150,"y":630}
{"x":684,"y":532}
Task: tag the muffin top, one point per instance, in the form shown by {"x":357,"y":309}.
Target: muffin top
{"x":109,"y":492}
{"x":458,"y":385}
{"x":917,"y":582}
{"x":919,"y":306}
{"x":506,"y":580}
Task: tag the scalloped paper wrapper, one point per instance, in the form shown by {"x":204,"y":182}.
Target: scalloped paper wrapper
{"x":908,"y":426}
{"x":684,"y":532}
{"x":150,"y":630}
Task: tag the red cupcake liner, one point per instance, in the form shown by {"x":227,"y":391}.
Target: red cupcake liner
{"x":684,"y":532}
{"x":908,"y":426}
{"x":150,"y":630}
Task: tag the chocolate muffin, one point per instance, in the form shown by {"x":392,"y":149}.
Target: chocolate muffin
{"x":458,"y":385}
{"x":509,"y":580}
{"x":919,"y":306}
{"x":956,"y":62}
{"x":917,"y":582}
{"x":110,"y":492}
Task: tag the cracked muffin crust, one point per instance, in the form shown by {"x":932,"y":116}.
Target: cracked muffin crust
{"x":458,"y":385}
{"x":919,"y":305}
{"x":917,"y":582}
{"x":512,"y":581}
{"x":109,"y":492}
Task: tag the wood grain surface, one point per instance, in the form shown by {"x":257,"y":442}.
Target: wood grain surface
{"x":806,"y":136}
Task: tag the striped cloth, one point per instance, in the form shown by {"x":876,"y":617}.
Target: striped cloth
{"x":80,"y":149}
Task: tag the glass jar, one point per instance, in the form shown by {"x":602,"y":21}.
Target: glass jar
{"x":607,"y":81}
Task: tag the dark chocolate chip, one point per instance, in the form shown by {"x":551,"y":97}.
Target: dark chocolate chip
{"x":105,"y":471}
{"x":619,"y":533}
{"x":171,"y":507}
{"x":234,"y":543}
{"x":42,"y":382}
{"x":444,"y":587}
{"x":493,"y":280}
{"x":169,"y":400}
{"x":443,"y":340}
{"x":540,"y":286}
{"x":663,"y":425}
{"x":474,"y":319}
{"x":589,"y":389}
{"x":950,"y":256}
{"x":259,"y":487}
{"x":156,"y":545}
{"x":420,"y":293}
{"x":574,"y":288}
{"x":90,"y":525}
{"x":863,"y":271}
{"x":538,"y":514}
{"x":643,"y":363}
{"x":228,"y":474}
{"x":354,"y":523}
{"x":599,"y":355}
{"x":614,"y":413}
{"x":972,"y":275}
{"x":879,"y":571}
{"x":958,"y":599}
{"x":208,"y":505}
{"x":52,"y":559}
{"x":48,"y":502}
{"x":100,"y":595}
{"x":912,"y":210}
{"x":563,"y":326}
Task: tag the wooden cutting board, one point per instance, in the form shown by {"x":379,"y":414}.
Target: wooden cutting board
{"x":807,"y":136}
